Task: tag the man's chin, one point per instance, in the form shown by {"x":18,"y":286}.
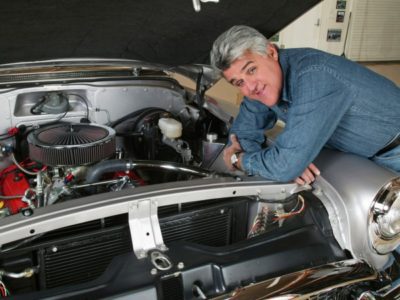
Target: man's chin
{"x":267,"y":102}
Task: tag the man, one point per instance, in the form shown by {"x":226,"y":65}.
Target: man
{"x":324,"y":100}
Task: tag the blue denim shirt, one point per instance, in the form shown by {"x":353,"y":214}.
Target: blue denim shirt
{"x":326,"y":100}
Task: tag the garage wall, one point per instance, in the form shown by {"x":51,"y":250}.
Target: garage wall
{"x":374,"y":32}
{"x":324,"y":27}
{"x":369,"y":30}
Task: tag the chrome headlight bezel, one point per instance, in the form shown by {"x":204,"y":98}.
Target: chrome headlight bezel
{"x":384,"y":218}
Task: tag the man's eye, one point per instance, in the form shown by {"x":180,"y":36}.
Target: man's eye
{"x":239,"y":83}
{"x":251,"y":70}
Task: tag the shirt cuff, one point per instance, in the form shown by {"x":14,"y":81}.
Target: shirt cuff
{"x":246,"y":163}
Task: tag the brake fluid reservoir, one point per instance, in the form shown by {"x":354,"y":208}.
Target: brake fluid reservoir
{"x":171,"y":128}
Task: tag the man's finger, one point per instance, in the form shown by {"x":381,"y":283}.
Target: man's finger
{"x":235,"y":141}
{"x":307,"y":176}
{"x":299,"y":181}
{"x":314,"y":169}
{"x":233,"y":137}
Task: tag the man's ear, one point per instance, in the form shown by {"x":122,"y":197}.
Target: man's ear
{"x":272,"y":51}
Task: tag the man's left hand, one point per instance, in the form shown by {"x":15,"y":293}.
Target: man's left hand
{"x":232,"y":149}
{"x":308,"y":175}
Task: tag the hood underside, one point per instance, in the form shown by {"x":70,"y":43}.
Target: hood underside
{"x":167,"y":32}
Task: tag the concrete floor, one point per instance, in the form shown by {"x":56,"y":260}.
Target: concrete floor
{"x":390,"y":70}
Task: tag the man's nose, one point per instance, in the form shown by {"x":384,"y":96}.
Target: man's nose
{"x":250,"y":86}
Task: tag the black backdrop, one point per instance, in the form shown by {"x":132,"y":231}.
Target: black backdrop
{"x":161,"y":31}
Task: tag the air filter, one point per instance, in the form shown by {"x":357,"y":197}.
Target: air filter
{"x":68,"y":144}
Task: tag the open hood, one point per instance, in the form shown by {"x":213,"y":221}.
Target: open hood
{"x":166,"y":32}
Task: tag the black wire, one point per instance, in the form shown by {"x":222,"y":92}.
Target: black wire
{"x":55,"y":121}
{"x":5,"y":136}
{"x":33,"y":112}
{"x":129,"y":134}
{"x":47,"y":124}
{"x":209,"y":127}
{"x":21,"y":243}
{"x":136,"y":114}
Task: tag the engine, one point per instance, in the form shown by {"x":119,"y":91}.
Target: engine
{"x":62,"y":160}
{"x":71,"y":144}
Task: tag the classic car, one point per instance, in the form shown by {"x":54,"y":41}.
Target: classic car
{"x":112,"y":179}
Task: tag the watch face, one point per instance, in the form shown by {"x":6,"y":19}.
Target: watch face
{"x":234,"y":159}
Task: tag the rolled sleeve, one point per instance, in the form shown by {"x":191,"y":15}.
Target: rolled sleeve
{"x":253,"y":120}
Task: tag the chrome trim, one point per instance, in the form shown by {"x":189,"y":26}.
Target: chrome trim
{"x":172,"y":166}
{"x":380,"y":206}
{"x":105,"y":205}
{"x":307,"y":283}
{"x":391,"y":291}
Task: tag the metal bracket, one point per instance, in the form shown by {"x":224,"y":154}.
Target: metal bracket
{"x":145,"y":228}
{"x":196,"y":4}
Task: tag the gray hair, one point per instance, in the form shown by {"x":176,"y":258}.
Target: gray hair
{"x":234,"y":43}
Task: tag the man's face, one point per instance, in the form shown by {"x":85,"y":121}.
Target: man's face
{"x":258,"y":77}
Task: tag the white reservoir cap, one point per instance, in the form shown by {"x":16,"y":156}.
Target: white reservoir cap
{"x":171,"y":128}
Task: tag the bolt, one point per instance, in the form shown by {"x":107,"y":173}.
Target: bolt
{"x":153,"y":271}
{"x":27,"y":212}
{"x":366,"y":295}
{"x":54,"y":249}
{"x":141,"y":254}
{"x":180,"y":265}
{"x":317,"y":191}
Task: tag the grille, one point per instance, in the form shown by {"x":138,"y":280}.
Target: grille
{"x":86,"y":254}
{"x":83,"y":260}
{"x":211,"y":228}
{"x":71,"y":144}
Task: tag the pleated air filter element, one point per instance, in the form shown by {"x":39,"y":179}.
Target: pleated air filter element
{"x":68,"y":144}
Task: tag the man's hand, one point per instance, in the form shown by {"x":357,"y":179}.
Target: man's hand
{"x":308,"y":175}
{"x":232,"y":149}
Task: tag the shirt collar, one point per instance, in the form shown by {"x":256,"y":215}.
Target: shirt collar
{"x":284,"y":62}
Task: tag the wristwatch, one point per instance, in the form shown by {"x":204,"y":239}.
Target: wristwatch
{"x":235,"y":159}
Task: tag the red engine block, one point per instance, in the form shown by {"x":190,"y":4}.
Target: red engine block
{"x":13,"y":182}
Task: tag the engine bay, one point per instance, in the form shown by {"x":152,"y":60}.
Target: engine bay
{"x":211,"y":247}
{"x":65,"y":142}
{"x":92,"y":172}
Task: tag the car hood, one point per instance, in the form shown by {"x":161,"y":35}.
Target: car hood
{"x":164,"y":32}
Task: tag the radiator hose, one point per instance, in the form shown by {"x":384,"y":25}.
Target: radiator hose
{"x":95,"y":173}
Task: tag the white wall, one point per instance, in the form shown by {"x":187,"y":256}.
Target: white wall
{"x":372,"y":28}
{"x":311,"y":29}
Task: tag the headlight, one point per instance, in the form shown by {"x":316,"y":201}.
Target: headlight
{"x":384,"y":218}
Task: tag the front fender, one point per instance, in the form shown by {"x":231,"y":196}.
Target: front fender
{"x":347,"y":186}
